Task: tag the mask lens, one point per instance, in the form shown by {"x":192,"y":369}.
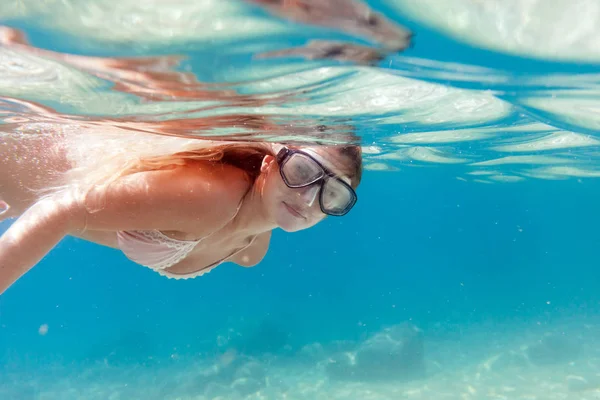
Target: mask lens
{"x":300,"y":170}
{"x":336,"y":197}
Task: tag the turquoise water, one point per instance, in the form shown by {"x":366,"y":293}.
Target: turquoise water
{"x":468,"y":269}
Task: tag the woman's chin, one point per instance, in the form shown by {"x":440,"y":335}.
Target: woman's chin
{"x":290,"y":222}
{"x":290,"y":225}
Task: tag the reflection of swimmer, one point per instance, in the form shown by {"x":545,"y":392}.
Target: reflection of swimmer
{"x":326,"y":49}
{"x":150,"y":78}
{"x":349,"y":16}
{"x":179,"y":206}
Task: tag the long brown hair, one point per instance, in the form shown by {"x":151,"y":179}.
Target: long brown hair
{"x":101,"y":157}
{"x":248,"y":156}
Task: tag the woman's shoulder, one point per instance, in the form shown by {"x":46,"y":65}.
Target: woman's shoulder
{"x":185,"y":198}
{"x":227,"y":180}
{"x":254,"y":253}
{"x":223,"y":185}
{"x":211,"y":193}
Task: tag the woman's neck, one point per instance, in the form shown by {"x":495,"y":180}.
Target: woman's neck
{"x":252,"y":217}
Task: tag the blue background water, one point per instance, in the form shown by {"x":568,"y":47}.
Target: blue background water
{"x":420,"y":246}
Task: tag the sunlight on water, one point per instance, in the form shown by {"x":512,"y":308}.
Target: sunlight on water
{"x":549,"y":29}
{"x":419,"y":98}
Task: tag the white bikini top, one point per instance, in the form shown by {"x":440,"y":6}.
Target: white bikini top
{"x":157,"y":251}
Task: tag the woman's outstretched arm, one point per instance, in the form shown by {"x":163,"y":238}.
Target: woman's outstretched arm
{"x":189,"y":200}
{"x":33,"y":235}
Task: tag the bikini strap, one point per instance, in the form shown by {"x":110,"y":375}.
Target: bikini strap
{"x":237,"y":210}
{"x":208,"y":267}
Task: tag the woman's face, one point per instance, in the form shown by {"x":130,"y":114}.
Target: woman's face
{"x":294,"y":209}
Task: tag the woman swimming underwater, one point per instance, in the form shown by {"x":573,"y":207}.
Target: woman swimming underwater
{"x":178,"y":206}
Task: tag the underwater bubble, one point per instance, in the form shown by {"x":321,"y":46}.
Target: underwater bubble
{"x":43,"y":329}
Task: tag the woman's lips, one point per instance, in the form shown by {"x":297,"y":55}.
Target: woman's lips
{"x":293,"y":211}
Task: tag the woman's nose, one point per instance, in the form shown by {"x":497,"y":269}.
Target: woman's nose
{"x":309,"y":194}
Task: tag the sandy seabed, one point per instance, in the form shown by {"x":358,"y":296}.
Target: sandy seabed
{"x":516,"y":362}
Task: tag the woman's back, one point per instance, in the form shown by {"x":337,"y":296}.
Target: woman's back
{"x":55,"y":155}
{"x":30,"y":163}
